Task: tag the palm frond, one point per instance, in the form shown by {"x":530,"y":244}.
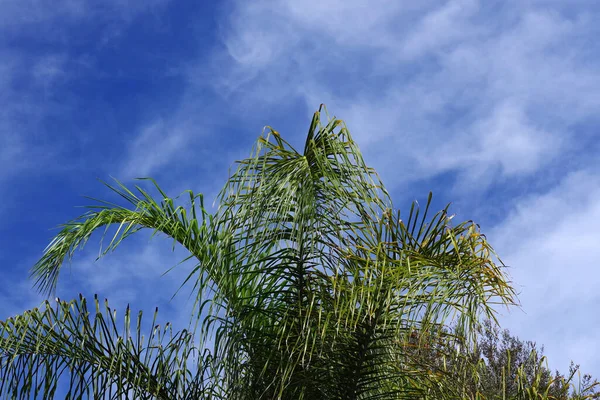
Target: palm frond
{"x":82,"y":353}
{"x":164,"y":217}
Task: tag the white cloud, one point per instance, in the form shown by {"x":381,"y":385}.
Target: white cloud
{"x":511,"y":140}
{"x":441,"y":27}
{"x":26,"y":90}
{"x":551,"y":243}
{"x":506,"y":142}
{"x":154,"y":147}
{"x":13,"y":106}
{"x":179,"y":142}
{"x":457,"y":86}
{"x":336,"y":20}
{"x":48,"y":69}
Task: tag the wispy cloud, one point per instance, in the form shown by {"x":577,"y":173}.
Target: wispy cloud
{"x":16,"y":298}
{"x":34,"y":81}
{"x":550,"y":241}
{"x":154,"y":147}
{"x":464,"y":86}
{"x":38,"y":63}
{"x":20,"y":113}
{"x":180,"y":150}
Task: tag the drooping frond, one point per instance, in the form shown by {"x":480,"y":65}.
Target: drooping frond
{"x":163,"y":217}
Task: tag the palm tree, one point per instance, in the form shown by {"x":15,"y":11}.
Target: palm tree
{"x":308,"y":285}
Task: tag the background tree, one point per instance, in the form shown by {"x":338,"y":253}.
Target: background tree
{"x":506,"y":367}
{"x":509,"y":364}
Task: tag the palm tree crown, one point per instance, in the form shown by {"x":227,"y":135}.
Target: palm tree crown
{"x":308,"y":285}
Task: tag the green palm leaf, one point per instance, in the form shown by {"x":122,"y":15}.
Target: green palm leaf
{"x":164,"y":217}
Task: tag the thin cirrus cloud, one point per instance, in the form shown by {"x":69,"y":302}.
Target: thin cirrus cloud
{"x":19,"y":13}
{"x":152,"y":148}
{"x":22,"y":147}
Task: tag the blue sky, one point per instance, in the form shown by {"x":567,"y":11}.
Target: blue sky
{"x":492,"y":105}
